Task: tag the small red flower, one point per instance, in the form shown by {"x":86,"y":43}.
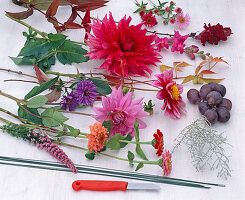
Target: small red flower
{"x":167,"y":9}
{"x":171,"y":2}
{"x":165,"y":22}
{"x":172,"y":20}
{"x":149,"y":19}
{"x":142,"y":13}
{"x":178,"y":10}
{"x":156,"y":11}
{"x":213,"y":34}
{"x":159,"y":142}
{"x":150,"y":12}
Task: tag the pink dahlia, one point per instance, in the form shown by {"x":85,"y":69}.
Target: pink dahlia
{"x":127,"y":50}
{"x":170,"y":93}
{"x":178,"y":42}
{"x":162,"y":43}
{"x":182,"y":21}
{"x":123,"y":112}
{"x":166,"y":163}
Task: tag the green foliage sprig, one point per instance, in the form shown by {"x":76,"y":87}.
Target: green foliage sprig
{"x":44,"y":51}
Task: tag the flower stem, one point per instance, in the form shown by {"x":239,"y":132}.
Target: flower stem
{"x":134,"y":142}
{"x":43,"y":34}
{"x":107,"y":155}
{"x":11,"y":97}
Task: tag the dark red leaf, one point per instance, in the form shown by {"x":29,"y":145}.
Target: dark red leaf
{"x":72,"y":25}
{"x":53,"y":8}
{"x":21,"y":15}
{"x":41,"y":76}
{"x":82,"y":5}
{"x":113,"y":80}
{"x":86,"y":18}
{"x":53,"y":96}
{"x":73,"y":15}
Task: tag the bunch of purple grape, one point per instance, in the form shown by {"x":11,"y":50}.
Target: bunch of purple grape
{"x":211,"y":102}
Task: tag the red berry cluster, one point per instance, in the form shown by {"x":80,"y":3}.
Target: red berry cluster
{"x":213,"y":34}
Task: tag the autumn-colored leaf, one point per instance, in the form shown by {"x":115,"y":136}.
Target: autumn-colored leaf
{"x":197,"y":80}
{"x":53,"y":96}
{"x":200,"y":66}
{"x":176,"y":63}
{"x":164,"y":67}
{"x":53,"y":8}
{"x":82,"y":5}
{"x":183,"y":64}
{"x":41,"y":76}
{"x":72,"y":25}
{"x":188,"y":79}
{"x":208,"y":80}
{"x":21,"y":15}
{"x":206,"y":72}
{"x":73,"y":16}
{"x":216,"y":59}
{"x":113,"y":80}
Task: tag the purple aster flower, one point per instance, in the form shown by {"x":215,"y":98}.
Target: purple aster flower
{"x":70,"y":101}
{"x":86,"y":92}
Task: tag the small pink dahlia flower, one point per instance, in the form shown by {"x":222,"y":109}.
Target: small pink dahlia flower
{"x":149,"y":19}
{"x":123,"y":112}
{"x":167,"y":163}
{"x":127,"y":50}
{"x":170,"y":93}
{"x":182,"y":21}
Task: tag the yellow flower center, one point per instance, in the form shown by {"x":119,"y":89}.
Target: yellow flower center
{"x":175,"y":92}
{"x":182,"y":20}
{"x":169,"y":163}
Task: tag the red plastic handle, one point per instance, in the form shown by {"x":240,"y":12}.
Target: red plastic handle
{"x":96,"y":185}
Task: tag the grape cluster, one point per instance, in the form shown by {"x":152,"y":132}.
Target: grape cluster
{"x":211,"y":102}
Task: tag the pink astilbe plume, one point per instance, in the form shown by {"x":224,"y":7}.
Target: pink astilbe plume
{"x":126,"y":49}
{"x":123,"y":112}
{"x":170,"y":92}
{"x":44,"y":142}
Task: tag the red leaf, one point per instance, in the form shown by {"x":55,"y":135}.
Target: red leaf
{"x":41,"y":76}
{"x":53,"y":8}
{"x":73,"y":15}
{"x":85,"y":22}
{"x":216,"y":59}
{"x":72,"y":25}
{"x":113,"y":81}
{"x":53,"y":96}
{"x":82,"y":5}
{"x":21,"y":15}
{"x":206,"y":72}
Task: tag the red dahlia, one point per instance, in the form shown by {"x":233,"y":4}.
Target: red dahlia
{"x":213,"y":34}
{"x":125,"y":49}
{"x":159,"y":142}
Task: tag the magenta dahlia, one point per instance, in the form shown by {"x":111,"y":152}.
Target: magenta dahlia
{"x":127,"y":49}
{"x":170,"y":92}
{"x":123,"y":112}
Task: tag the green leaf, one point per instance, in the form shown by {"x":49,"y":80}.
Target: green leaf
{"x":56,"y":40}
{"x":23,"y":114}
{"x":52,"y":118}
{"x":131,"y":158}
{"x":90,"y":155}
{"x":139,"y":166}
{"x":136,"y":130}
{"x":101,"y":86}
{"x":46,"y":63}
{"x":140,"y":152}
{"x":128,"y":138}
{"x":72,"y":131}
{"x":37,"y":101}
{"x":113,"y":142}
{"x":69,"y":53}
{"x":107,"y":125}
{"x":35,"y":47}
{"x":38,"y":89}
{"x":27,"y":60}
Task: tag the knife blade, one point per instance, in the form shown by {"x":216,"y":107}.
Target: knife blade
{"x":98,"y":185}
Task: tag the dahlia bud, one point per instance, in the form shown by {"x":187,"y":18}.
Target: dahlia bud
{"x":194,"y":48}
{"x":142,"y":13}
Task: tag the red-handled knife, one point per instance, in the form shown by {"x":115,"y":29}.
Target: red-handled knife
{"x":97,"y":185}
